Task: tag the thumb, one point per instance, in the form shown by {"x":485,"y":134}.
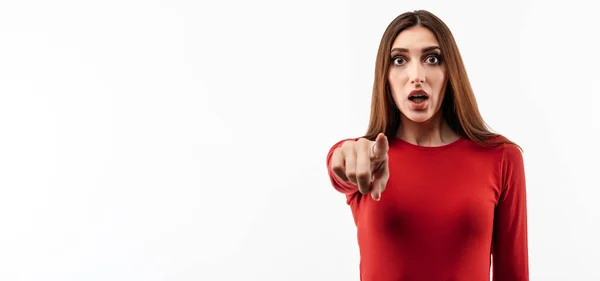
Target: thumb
{"x":380,"y":146}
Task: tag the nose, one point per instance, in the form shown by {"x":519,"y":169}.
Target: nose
{"x":416,"y":73}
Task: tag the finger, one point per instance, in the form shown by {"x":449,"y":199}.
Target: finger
{"x":381,"y":147}
{"x":376,"y":193}
{"x":338,"y":165}
{"x":350,"y":161}
{"x":363,"y":165}
{"x":380,"y":179}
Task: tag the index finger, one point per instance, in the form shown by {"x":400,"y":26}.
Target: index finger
{"x":380,"y":147}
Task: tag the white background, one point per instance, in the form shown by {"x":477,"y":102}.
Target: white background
{"x":178,"y":140}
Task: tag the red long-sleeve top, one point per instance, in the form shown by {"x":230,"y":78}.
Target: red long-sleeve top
{"x":447,"y":213}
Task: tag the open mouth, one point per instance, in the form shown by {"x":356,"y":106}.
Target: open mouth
{"x":418,"y":96}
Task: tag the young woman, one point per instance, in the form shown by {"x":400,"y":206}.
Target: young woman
{"x":435,"y":194}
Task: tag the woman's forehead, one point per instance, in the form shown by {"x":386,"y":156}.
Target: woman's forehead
{"x":415,"y":39}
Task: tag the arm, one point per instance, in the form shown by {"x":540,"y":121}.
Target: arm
{"x":344,"y":187}
{"x":509,"y":246}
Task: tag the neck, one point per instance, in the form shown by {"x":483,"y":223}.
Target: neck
{"x":433,"y":132}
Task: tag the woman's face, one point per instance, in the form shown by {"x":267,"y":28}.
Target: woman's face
{"x":417,"y":76}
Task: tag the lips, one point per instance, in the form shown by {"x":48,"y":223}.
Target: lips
{"x":418,"y":99}
{"x":418,"y":95}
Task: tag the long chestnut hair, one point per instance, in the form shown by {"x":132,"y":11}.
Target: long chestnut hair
{"x":459,"y":107}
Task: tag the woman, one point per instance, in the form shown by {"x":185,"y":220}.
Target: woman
{"x":434,"y":194}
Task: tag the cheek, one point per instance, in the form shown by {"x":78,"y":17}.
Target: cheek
{"x":438,"y":81}
{"x":397,"y":80}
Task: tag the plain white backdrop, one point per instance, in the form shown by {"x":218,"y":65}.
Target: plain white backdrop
{"x":186,"y":140}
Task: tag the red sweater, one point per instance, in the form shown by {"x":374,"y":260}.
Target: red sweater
{"x":445,"y":214}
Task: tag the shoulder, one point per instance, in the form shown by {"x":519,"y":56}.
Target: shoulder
{"x":510,"y":151}
{"x":507,"y":147}
{"x":511,"y":158}
{"x":501,"y":149}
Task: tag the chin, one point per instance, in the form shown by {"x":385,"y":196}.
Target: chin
{"x":418,"y":117}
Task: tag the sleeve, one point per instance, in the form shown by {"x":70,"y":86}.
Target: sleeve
{"x":344,"y":187}
{"x":509,"y":246}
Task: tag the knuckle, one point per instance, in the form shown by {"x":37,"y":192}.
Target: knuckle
{"x":362,"y":175}
{"x":348,"y":151}
{"x":363,"y":142}
{"x":363,"y":189}
{"x":337,"y":168}
{"x":347,"y":144}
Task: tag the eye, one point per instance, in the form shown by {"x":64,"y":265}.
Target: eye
{"x":398,"y":60}
{"x":433,"y":59}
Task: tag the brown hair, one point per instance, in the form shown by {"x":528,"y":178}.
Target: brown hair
{"x":459,"y":108}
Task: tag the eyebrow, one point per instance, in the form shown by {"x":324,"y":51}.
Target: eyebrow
{"x":426,"y":49}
